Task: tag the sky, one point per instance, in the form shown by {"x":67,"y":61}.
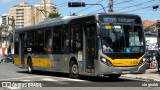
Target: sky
{"x":142,"y":8}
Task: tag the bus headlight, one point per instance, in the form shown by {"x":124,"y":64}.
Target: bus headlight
{"x":142,"y":61}
{"x":103,"y":60}
{"x":106,"y":62}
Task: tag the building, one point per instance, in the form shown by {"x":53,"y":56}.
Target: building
{"x":5,"y":19}
{"x":40,"y":10}
{"x":0,"y":20}
{"x":25,"y":14}
{"x":147,"y":23}
{"x":151,"y":41}
{"x":4,"y":32}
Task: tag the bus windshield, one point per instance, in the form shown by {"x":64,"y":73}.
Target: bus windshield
{"x":122,"y":39}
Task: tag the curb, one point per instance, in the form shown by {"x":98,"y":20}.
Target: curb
{"x":140,"y":78}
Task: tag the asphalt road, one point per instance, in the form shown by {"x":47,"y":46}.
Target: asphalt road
{"x":40,"y":80}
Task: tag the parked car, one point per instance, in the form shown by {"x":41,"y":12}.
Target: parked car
{"x":1,"y":58}
{"x":9,"y":58}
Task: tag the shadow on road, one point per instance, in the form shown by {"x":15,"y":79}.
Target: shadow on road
{"x":88,"y":78}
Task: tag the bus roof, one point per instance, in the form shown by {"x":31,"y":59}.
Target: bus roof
{"x":65,"y":20}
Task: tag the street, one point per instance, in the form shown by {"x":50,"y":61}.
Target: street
{"x":60,"y":81}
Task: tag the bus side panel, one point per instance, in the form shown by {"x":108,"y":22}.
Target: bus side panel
{"x":16,"y":60}
{"x":41,"y":62}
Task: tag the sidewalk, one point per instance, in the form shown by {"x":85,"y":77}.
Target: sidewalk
{"x":150,"y":75}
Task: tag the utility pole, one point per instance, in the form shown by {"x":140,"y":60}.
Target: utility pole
{"x":6,"y":33}
{"x":13,"y":32}
{"x":110,"y":6}
{"x":45,"y":14}
{"x":11,"y":46}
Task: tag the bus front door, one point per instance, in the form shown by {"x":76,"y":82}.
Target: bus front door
{"x":21,"y":50}
{"x":89,"y":50}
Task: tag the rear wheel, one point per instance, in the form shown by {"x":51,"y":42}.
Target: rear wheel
{"x":29,"y":66}
{"x":114,"y":76}
{"x":74,"y":71}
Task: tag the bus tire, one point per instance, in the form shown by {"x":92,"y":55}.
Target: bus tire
{"x":29,"y":66}
{"x":114,"y":76}
{"x":74,"y":71}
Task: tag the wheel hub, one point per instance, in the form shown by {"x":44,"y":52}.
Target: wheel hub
{"x":74,"y":69}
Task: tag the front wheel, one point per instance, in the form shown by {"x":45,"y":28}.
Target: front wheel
{"x":74,"y":72}
{"x":114,"y":76}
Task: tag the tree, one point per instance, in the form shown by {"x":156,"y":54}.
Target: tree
{"x":54,"y":15}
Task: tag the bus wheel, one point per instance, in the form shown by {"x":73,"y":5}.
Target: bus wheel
{"x":114,"y":76}
{"x":74,"y":72}
{"x":29,"y":66}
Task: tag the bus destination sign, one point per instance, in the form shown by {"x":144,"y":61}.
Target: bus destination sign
{"x":118,"y":20}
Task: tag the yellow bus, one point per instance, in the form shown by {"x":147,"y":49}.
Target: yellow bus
{"x":103,"y":44}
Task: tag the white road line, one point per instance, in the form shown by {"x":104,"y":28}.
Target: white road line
{"x":55,"y":81}
{"x":13,"y":88}
{"x":48,"y":79}
{"x":73,"y":79}
{"x":25,"y":80}
{"x":23,"y":77}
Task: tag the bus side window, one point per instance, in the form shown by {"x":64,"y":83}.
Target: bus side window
{"x":29,"y":43}
{"x":57,"y":33}
{"x":76,"y":41}
{"x":65,"y":40}
{"x":48,"y":40}
{"x":39,"y":41}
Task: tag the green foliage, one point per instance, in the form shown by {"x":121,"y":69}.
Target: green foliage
{"x":54,"y":15}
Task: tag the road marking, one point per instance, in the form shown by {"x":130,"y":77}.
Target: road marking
{"x":48,"y":79}
{"x":55,"y":81}
{"x":73,"y":79}
{"x":13,"y":88}
{"x":25,"y":80}
{"x":23,"y":77}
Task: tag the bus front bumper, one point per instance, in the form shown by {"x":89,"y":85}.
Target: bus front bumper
{"x":103,"y":69}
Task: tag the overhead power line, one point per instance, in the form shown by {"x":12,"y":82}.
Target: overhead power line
{"x":107,"y":6}
{"x":98,"y":10}
{"x":140,"y":8}
{"x":33,"y":18}
{"x":134,"y":5}
{"x":122,"y":2}
{"x":89,"y":7}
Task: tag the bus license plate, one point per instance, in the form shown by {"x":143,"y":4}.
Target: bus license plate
{"x":125,"y":72}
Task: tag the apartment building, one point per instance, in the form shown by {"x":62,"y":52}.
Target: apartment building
{"x":40,"y":11}
{"x":25,"y":14}
{"x":4,"y":28}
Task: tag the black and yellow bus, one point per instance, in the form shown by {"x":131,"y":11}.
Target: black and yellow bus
{"x":103,"y":44}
